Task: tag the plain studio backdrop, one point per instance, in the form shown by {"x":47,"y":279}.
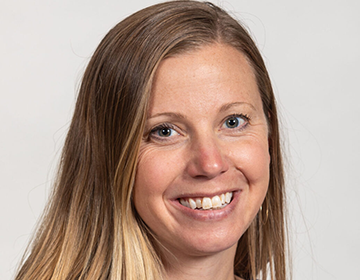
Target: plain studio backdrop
{"x":312,"y":50}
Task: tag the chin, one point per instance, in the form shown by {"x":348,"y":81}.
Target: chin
{"x":206,"y":244}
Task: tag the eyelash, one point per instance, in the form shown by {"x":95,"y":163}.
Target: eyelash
{"x":159,"y":127}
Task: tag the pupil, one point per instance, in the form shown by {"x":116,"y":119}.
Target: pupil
{"x":233,"y":122}
{"x":165,"y":132}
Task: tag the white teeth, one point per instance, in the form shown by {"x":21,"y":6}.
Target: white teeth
{"x":192,"y":203}
{"x":215,"y":201}
{"x":185,"y":202}
{"x":198,"y":203}
{"x":228,"y":197}
{"x":206,"y":203}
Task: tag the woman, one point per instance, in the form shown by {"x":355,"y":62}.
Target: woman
{"x":172,"y":165}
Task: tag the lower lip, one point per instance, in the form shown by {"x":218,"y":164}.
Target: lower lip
{"x":209,"y":215}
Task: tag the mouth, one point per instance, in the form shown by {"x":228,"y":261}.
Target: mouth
{"x":207,"y":203}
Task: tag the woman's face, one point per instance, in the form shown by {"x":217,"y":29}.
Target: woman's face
{"x":203,"y":169}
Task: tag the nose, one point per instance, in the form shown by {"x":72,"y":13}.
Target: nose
{"x":207,"y":158}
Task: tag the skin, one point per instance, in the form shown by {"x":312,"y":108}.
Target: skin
{"x":195,"y":153}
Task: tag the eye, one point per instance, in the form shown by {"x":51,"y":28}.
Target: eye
{"x":236,"y":121}
{"x":163,"y":131}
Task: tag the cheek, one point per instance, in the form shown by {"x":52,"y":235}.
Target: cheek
{"x":147,"y":185}
{"x":258,"y":174}
{"x":253,"y":161}
{"x":153,"y":177}
{"x":258,"y":161}
{"x":252,"y":158}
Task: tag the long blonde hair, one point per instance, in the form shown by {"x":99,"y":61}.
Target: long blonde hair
{"x":90,"y":228}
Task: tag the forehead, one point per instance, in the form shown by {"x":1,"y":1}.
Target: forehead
{"x":206,"y":76}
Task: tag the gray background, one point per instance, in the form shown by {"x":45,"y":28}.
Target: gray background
{"x":312,"y":49}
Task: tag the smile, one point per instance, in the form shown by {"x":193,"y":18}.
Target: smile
{"x":207,"y":203}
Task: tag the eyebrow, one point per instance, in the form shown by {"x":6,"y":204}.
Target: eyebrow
{"x":168,"y":114}
{"x":228,"y":106}
{"x":223,"y":108}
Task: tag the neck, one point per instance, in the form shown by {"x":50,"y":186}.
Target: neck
{"x":219,"y":266}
